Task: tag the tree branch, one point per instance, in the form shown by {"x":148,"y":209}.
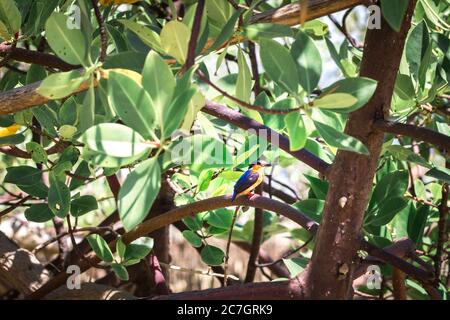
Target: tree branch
{"x":192,"y":49}
{"x":418,"y":133}
{"x":103,"y":34}
{"x":246,"y":123}
{"x":35,"y":57}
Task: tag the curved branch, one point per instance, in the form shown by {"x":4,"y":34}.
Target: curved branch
{"x":418,"y":133}
{"x":256,"y":201}
{"x":281,"y":141}
{"x":179,"y":213}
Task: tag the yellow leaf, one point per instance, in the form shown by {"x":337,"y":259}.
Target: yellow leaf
{"x":9,"y":131}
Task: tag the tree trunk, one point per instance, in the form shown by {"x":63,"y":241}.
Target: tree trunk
{"x":330,"y":273}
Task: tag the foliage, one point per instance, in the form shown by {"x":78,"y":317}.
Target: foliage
{"x":126,"y":122}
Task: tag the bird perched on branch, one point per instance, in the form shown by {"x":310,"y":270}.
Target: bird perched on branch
{"x":249,"y":180}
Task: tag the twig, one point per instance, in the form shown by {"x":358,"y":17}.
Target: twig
{"x":103,"y":34}
{"x":280,"y":141}
{"x":227,"y":251}
{"x":15,"y":205}
{"x":347,"y":35}
{"x":286,"y":255}
{"x":258,"y":228}
{"x":247,"y":105}
{"x":192,"y":49}
{"x":98,"y":230}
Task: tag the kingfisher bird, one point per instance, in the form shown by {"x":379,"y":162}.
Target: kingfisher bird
{"x":249,"y":180}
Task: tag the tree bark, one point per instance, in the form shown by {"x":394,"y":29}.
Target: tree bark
{"x":351,"y":176}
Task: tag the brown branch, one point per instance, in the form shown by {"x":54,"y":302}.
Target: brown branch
{"x":114,"y":185}
{"x":19,"y":268}
{"x":347,"y":35}
{"x":279,"y":290}
{"x":442,"y":233}
{"x":192,"y":49}
{"x":246,"y":123}
{"x":227,"y":250}
{"x":179,"y":213}
{"x":15,"y":205}
{"x":35,"y":57}
{"x":398,"y":284}
{"x":418,"y":133}
{"x":242,"y":103}
{"x":256,"y":201}
{"x":103,"y":34}
{"x":258,"y":232}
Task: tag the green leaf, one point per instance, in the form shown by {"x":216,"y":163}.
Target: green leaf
{"x":308,"y":60}
{"x":81,"y":171}
{"x":296,"y":131}
{"x":68,"y":112}
{"x":244,"y":79}
{"x":219,"y":10}
{"x":194,"y":223}
{"x":175,"y":37}
{"x":279,"y":65}
{"x":192,"y":238}
{"x":417,"y":222}
{"x":61,"y":84}
{"x":100,"y":247}
{"x":340,"y":140}
{"x":120,"y":271}
{"x":120,"y":248}
{"x":295,"y":265}
{"x":87,"y":111}
{"x":138,"y":193}
{"x":387,"y":210}
{"x":158,"y":80}
{"x":23,"y":175}
{"x":200,"y":152}
{"x":39,"y":213}
{"x":226,"y":31}
{"x":416,"y":47}
{"x":316,"y":28}
{"x":335,"y":101}
{"x":132,"y":103}
{"x":68,"y":43}
{"x":318,"y":186}
{"x":58,"y":197}
{"x":147,"y":35}
{"x":112,"y":145}
{"x":11,"y":17}
{"x":139,"y":248}
{"x":195,"y":105}
{"x":361,"y":88}
{"x":440,"y":173}
{"x":313,"y":208}
{"x":204,"y":180}
{"x":393,"y":184}
{"x":257,"y":31}
{"x":14,"y":139}
{"x":393,"y":12}
{"x":212,"y":255}
{"x":39,"y":190}
{"x":220,"y":218}
{"x":37,"y":152}
{"x":175,"y":113}
{"x":83,"y":205}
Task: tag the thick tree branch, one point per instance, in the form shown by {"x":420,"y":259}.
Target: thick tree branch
{"x":418,"y":133}
{"x":35,"y":57}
